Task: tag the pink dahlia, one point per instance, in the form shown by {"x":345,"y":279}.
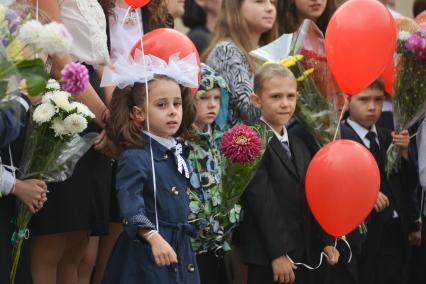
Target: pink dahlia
{"x":74,"y":78}
{"x":241,"y":144}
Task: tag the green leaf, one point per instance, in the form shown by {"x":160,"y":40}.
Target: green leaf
{"x":35,"y":75}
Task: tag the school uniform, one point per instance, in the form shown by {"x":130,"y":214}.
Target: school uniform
{"x":131,"y":260}
{"x":384,"y":253}
{"x":276,"y":219}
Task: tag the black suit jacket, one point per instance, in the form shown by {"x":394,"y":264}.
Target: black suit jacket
{"x":276,"y":219}
{"x":397,"y":188}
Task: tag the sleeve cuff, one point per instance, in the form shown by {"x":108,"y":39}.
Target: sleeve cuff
{"x":134,"y":223}
{"x":8,"y":181}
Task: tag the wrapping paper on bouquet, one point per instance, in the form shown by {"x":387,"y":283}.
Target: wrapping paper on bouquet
{"x":304,"y":54}
{"x":409,"y":86}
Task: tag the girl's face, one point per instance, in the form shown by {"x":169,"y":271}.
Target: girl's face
{"x":207,"y":105}
{"x":176,"y":8}
{"x":259,"y":14}
{"x":310,"y":9}
{"x":164,"y":107}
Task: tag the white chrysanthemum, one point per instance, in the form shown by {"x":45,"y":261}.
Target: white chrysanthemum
{"x":75,"y":123}
{"x":47,"y":97}
{"x":58,"y":126}
{"x":43,"y":113}
{"x":30,"y":32}
{"x":82,"y":109}
{"x":55,"y":39}
{"x":61,"y":100}
{"x":403,"y":35}
{"x":53,"y":85}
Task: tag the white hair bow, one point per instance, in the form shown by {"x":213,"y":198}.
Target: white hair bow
{"x":127,"y":71}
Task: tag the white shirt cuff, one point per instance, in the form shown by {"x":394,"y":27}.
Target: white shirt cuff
{"x":8,"y":181}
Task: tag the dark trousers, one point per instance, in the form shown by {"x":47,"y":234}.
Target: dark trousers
{"x":388,"y":265}
{"x":258,"y":274}
{"x":418,"y":260}
{"x":211,"y":269}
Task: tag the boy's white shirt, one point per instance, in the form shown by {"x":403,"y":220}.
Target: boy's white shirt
{"x":362,"y":132}
{"x":281,"y":138}
{"x":422,"y":153}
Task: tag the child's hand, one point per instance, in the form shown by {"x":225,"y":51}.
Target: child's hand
{"x":332,"y":255}
{"x":283,"y":270}
{"x":104,"y":145}
{"x":161,"y":250}
{"x":402,"y":140}
{"x":382,"y":202}
{"x":32,"y":193}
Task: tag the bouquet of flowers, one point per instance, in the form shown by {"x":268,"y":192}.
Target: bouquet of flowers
{"x":52,"y":149}
{"x":243,"y":148}
{"x":409,"y":86}
{"x":25,"y":41}
{"x":305,"y":57}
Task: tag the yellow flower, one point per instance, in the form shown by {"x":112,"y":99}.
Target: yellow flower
{"x":14,"y":50}
{"x":305,"y":75}
{"x":291,"y":61}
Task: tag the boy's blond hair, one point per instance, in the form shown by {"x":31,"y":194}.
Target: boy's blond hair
{"x":267,"y":72}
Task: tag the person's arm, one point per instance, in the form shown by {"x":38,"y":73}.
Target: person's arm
{"x":89,"y":96}
{"x":232,"y":65}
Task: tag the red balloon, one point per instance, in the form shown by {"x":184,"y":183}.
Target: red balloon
{"x":341,"y":199}
{"x":360,"y":40}
{"x":163,"y":43}
{"x":137,"y":3}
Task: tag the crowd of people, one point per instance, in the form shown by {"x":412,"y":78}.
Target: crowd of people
{"x":124,"y":216}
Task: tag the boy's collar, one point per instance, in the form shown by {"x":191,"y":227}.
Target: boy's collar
{"x":281,"y":138}
{"x":359,"y":129}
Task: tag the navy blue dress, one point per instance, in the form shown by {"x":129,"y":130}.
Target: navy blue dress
{"x":131,"y":260}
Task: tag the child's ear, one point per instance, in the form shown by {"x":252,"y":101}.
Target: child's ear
{"x":137,"y":114}
{"x":255,"y":100}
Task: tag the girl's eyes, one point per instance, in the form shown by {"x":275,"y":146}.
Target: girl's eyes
{"x":177,"y":103}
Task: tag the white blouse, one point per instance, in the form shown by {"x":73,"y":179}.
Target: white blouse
{"x":123,"y":37}
{"x":85,"y":20}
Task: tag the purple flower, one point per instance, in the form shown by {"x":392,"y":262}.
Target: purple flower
{"x":241,"y":144}
{"x":13,"y":21}
{"x":413,"y":43}
{"x":74,"y":78}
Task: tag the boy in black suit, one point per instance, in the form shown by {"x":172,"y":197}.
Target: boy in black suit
{"x":383,"y":255}
{"x":277,"y":224}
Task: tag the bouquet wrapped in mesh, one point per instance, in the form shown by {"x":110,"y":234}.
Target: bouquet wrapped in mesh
{"x":409,"y":86}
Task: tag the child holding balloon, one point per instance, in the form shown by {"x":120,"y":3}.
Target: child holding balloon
{"x":151,"y":181}
{"x":277,"y":227}
{"x":382,"y":258}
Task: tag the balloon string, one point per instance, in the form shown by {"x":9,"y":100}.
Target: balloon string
{"x":154,"y":177}
{"x":340,"y":119}
{"x":37,"y":11}
{"x":322,"y":255}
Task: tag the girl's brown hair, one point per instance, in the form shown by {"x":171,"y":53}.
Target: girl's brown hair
{"x":125,"y":134}
{"x":156,"y":10}
{"x":231,"y":26}
{"x":288,"y":18}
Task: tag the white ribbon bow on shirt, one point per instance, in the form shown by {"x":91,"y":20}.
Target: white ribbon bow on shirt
{"x":182,"y":167}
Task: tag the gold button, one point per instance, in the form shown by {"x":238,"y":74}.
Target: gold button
{"x":174,"y":269}
{"x":191,"y":268}
{"x":188,"y":190}
{"x":175,"y":191}
{"x":165,"y":157}
{"x":125,"y":222}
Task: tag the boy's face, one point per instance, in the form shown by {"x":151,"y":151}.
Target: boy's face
{"x":366,"y":107}
{"x":207,"y":105}
{"x":277,"y":101}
